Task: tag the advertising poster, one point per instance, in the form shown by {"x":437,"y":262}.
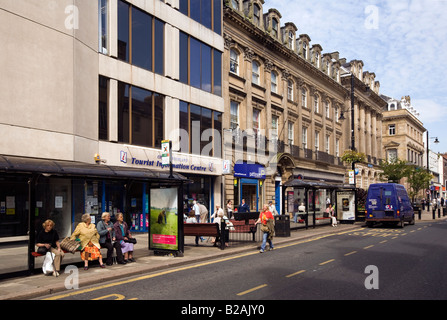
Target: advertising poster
{"x":163,"y":224}
{"x":346,"y":205}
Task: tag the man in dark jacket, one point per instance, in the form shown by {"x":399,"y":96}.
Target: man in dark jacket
{"x":244,"y":207}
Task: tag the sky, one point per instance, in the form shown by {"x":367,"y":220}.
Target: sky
{"x":404,"y":42}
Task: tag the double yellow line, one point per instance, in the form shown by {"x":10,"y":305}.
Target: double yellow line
{"x":145,"y":277}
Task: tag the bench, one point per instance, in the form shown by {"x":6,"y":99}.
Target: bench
{"x":244,"y":226}
{"x":202,"y":229}
{"x":37,"y":254}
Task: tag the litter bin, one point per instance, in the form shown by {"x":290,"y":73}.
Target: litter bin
{"x":282,"y":226}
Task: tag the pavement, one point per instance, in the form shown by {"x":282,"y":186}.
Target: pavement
{"x":38,"y":285}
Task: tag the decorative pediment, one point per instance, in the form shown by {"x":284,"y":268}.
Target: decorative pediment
{"x":392,"y":145}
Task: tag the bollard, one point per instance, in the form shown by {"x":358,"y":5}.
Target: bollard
{"x":434,"y":214}
{"x":439,"y":212}
{"x":419,"y":214}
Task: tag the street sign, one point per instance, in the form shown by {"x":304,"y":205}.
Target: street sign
{"x":351,"y":177}
{"x":226,"y":167}
{"x":165,"y":152}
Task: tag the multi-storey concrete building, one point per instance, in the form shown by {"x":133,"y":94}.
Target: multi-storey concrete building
{"x":89,"y":91}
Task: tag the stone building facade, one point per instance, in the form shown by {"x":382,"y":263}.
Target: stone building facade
{"x":283,"y":102}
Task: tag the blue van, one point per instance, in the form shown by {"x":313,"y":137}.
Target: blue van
{"x":388,"y":203}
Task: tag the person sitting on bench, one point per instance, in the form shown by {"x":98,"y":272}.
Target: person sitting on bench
{"x":48,"y":241}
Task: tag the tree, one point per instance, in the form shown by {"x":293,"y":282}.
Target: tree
{"x":394,"y":170}
{"x":419,"y":179}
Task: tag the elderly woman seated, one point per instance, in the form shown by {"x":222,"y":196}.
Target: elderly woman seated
{"x":108,"y":240}
{"x":90,"y":247}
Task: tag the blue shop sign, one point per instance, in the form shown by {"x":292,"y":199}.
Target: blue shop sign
{"x":246,"y":170}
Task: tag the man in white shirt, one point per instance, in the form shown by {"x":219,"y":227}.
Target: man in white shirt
{"x":196,"y":209}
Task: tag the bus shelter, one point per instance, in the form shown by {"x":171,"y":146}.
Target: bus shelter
{"x":315,"y":196}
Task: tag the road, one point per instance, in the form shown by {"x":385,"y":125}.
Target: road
{"x":366,"y":263}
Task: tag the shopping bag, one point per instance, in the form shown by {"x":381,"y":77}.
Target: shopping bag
{"x":47,"y":266}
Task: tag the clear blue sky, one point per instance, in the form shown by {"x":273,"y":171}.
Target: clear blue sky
{"x":404,"y":42}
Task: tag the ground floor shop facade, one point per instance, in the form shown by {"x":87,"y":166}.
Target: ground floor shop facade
{"x":259,"y":184}
{"x":33,"y":190}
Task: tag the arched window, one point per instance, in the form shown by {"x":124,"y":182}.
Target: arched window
{"x":290,"y":90}
{"x":255,"y":73}
{"x":304,"y":98}
{"x":234,"y":61}
{"x":291,"y":39}
{"x":328,"y":109}
{"x":274,"y":85}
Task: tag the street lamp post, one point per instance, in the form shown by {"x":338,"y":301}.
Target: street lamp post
{"x":352,"y":147}
{"x":428,"y":162}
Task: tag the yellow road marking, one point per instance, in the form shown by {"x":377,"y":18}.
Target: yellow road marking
{"x":116,"y":295}
{"x":251,"y":290}
{"x":348,"y":254}
{"x":326,"y":262}
{"x":113,"y":284}
{"x":295,"y":274}
{"x":368,"y":247}
{"x":383,"y":241}
{"x":145,"y":277}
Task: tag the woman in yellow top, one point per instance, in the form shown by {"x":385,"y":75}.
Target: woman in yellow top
{"x":89,"y":236}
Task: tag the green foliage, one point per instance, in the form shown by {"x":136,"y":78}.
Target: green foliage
{"x":394,"y":170}
{"x":351,"y":156}
{"x":419,"y":179}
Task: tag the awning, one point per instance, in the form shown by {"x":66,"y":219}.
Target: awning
{"x":298,"y":183}
{"x":12,"y":164}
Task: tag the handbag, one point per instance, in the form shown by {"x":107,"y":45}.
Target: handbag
{"x":69,"y":245}
{"x":264,"y":228}
{"x":131,"y":240}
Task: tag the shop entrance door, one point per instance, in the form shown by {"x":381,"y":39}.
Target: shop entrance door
{"x":249,"y":192}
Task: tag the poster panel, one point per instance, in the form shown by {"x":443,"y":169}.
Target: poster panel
{"x":346,"y":205}
{"x":163,"y":224}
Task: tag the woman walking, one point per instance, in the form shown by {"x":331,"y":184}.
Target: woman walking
{"x":267,"y":227}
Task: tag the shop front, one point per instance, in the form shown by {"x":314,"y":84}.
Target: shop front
{"x":33,"y":190}
{"x":249,"y":182}
{"x":205,"y":174}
